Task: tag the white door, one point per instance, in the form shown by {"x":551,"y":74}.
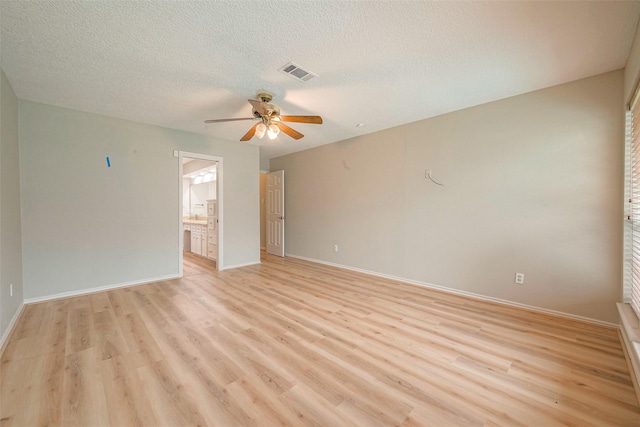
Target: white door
{"x":275,"y":213}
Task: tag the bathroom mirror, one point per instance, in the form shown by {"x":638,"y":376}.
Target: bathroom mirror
{"x":198,"y":196}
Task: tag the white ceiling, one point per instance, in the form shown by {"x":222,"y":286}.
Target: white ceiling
{"x":380,"y":63}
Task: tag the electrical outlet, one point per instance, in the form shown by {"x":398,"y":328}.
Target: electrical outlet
{"x":520,"y":278}
{"x":11,"y":290}
{"x":335,"y":248}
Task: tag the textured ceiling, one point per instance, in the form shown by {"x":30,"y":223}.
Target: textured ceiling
{"x":380,"y":63}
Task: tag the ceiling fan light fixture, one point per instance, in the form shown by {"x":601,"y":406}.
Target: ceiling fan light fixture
{"x":273,"y":131}
{"x":260,"y":130}
{"x":270,"y":120}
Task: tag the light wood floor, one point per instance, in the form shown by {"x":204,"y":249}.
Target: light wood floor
{"x":292,"y":343}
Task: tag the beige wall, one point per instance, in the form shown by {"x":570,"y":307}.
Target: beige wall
{"x":532,"y":184}
{"x":86,"y":225}
{"x":10,"y":225}
{"x":632,"y":68}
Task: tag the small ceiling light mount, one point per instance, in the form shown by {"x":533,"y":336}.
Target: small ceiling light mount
{"x":359,"y":125}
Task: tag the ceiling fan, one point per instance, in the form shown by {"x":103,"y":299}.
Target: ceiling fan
{"x":270,"y":119}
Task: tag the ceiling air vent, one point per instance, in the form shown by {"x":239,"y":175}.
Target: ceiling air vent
{"x":298,"y":73}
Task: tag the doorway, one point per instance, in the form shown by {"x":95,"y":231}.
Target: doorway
{"x":200,"y":220}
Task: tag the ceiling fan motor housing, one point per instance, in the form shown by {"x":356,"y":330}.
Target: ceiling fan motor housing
{"x":273,"y":111}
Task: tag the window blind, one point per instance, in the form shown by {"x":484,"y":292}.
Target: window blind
{"x":632,"y":225}
{"x":627,"y":279}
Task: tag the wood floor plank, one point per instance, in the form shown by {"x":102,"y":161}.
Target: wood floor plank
{"x":34,"y":383}
{"x":313,"y":410}
{"x":109,"y":341}
{"x":123,"y":390}
{"x":170,"y":399}
{"x":142,"y":348}
{"x":262,"y":406}
{"x":120,"y":301}
{"x":30,"y":321}
{"x":83,"y":400}
{"x":293,"y":343}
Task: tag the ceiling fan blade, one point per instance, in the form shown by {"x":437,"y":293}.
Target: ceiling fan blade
{"x":316,"y":120}
{"x":291,"y":132}
{"x":258,"y":105}
{"x":247,"y":136}
{"x":228,"y":120}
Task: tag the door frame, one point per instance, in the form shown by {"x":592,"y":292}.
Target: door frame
{"x":219,"y":197}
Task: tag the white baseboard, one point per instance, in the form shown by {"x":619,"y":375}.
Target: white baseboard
{"x":463,"y":293}
{"x":228,"y":267}
{"x":118,"y":285}
{"x":12,"y":324}
{"x":99,"y":289}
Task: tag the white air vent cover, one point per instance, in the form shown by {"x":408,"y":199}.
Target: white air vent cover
{"x":298,"y":73}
